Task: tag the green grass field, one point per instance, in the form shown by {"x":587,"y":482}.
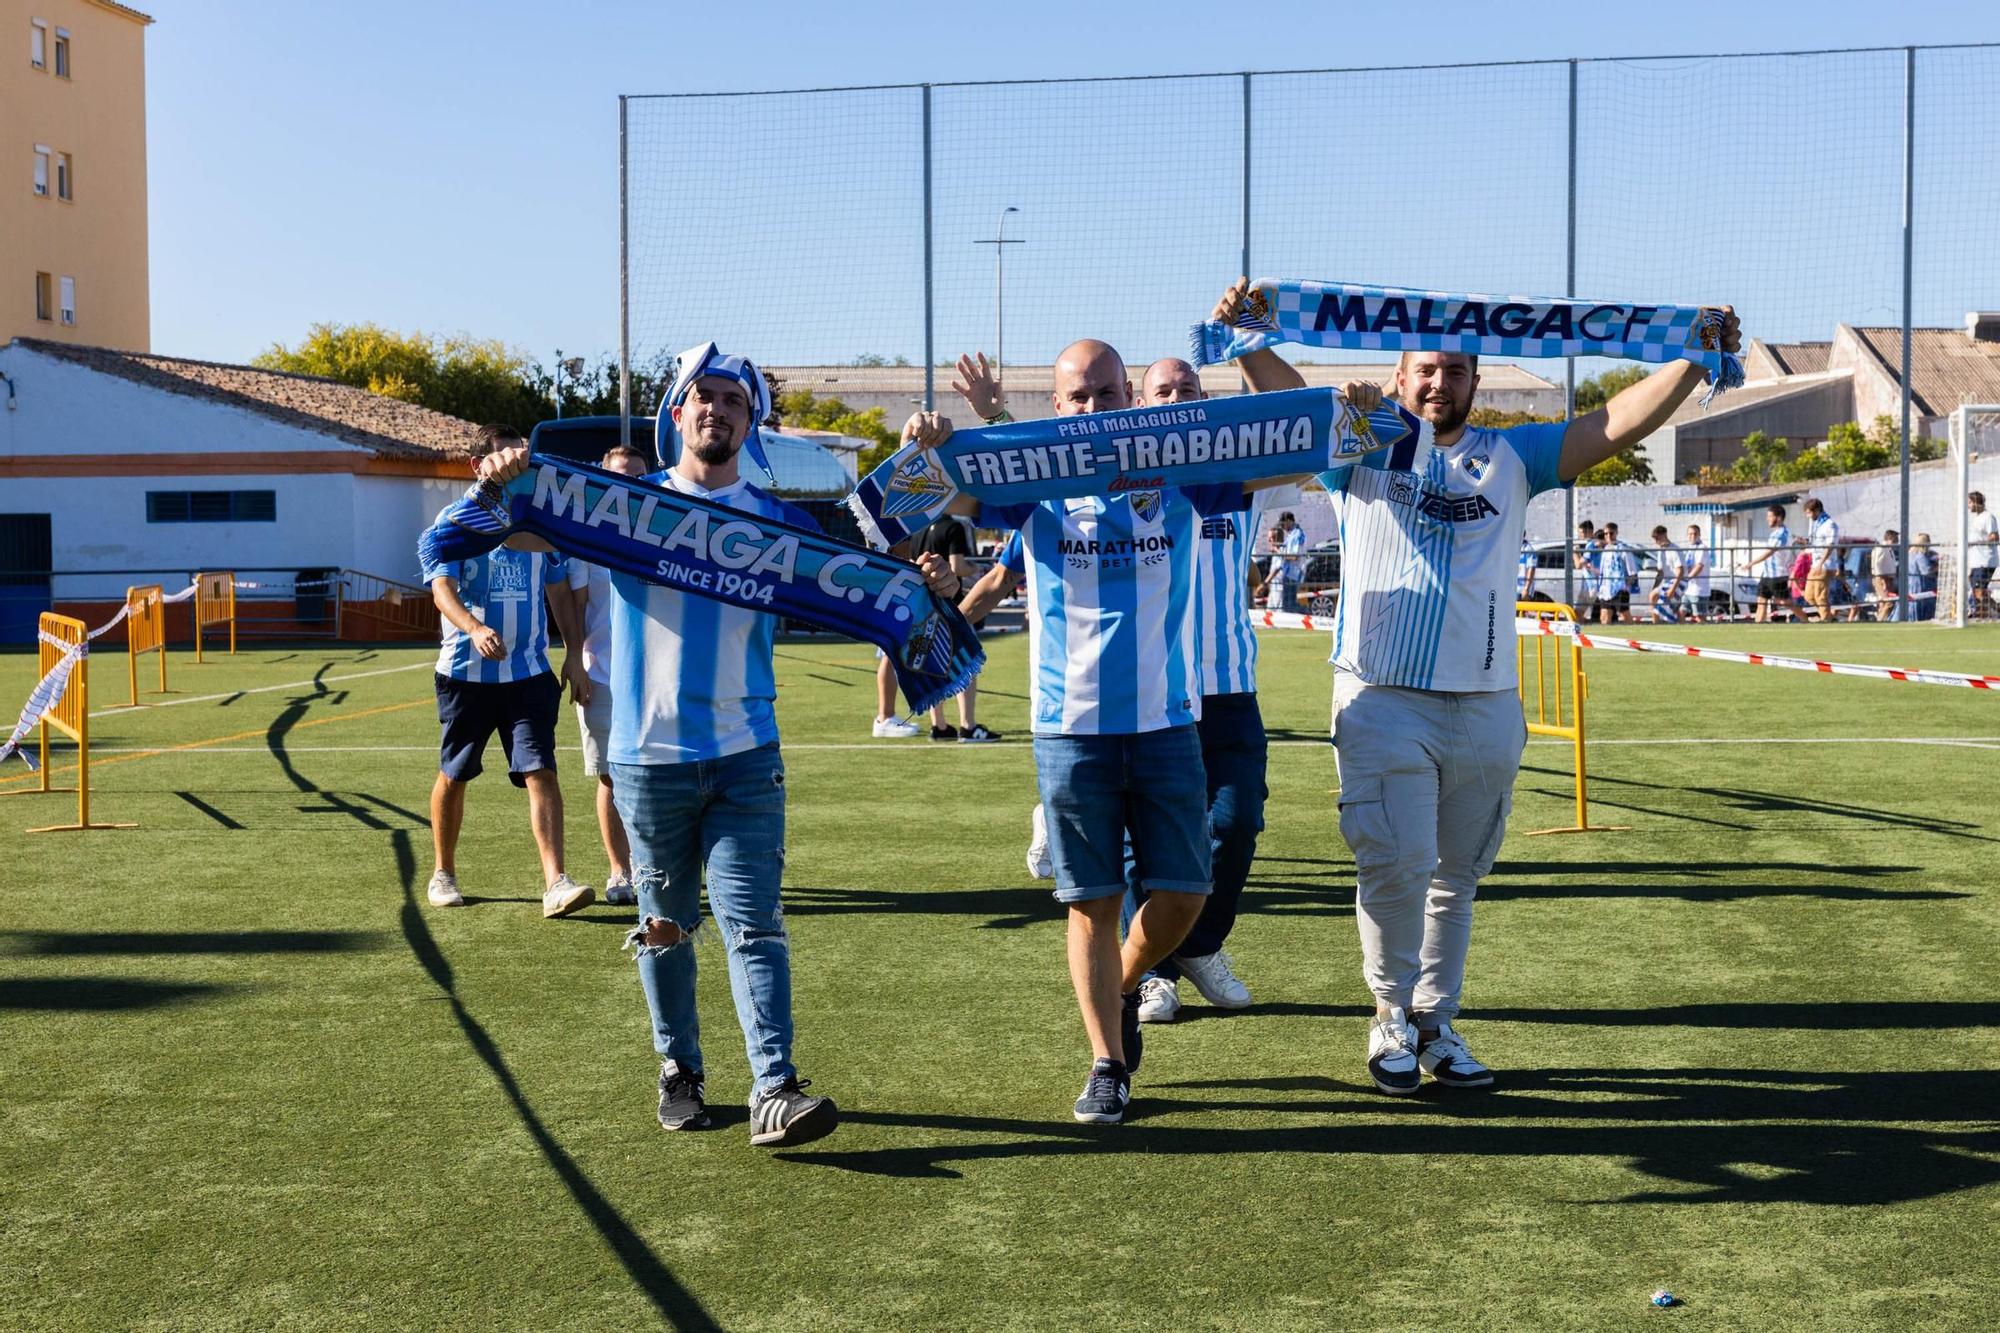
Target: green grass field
{"x":1747,"y":1048}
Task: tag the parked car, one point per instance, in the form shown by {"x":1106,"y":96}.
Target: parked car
{"x":1727,"y":588}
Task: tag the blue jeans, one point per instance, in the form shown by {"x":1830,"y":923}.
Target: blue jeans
{"x":1234,"y":753}
{"x":1098,"y":789}
{"x":726,"y":815}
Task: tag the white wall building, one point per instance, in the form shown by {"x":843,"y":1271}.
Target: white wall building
{"x":122,"y":468}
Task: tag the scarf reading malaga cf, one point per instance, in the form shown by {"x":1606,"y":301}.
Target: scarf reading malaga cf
{"x":1392,"y":319}
{"x":697,"y":546}
{"x":1208,"y":441}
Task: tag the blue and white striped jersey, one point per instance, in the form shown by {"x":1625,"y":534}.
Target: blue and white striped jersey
{"x":1778,"y":564}
{"x":1613,"y":573}
{"x":1110,"y":606}
{"x":691,"y":678}
{"x":1430,"y":540}
{"x":502,"y":589}
{"x":1226,"y":647}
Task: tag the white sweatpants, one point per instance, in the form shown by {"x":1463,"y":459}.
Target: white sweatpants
{"x":1426,"y":781}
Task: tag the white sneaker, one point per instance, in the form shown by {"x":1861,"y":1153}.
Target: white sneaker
{"x":1159,"y":1000}
{"x":1039,"y":864}
{"x":1392,"y":1054}
{"x":894,"y":729}
{"x":443,"y":890}
{"x":618,"y":891}
{"x":1212,"y":977}
{"x":566,"y":896}
{"x":1446,"y":1059}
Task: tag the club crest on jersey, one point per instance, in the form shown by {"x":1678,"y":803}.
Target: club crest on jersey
{"x":916,"y":485}
{"x":1475,"y":466}
{"x":1146,"y":505}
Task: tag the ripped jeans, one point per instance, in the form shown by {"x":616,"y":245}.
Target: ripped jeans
{"x":726,"y":815}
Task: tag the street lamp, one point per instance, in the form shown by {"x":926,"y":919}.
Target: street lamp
{"x":999,"y":242}
{"x":574,"y":365}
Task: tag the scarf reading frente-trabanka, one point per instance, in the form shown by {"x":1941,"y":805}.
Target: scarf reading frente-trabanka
{"x":1395,"y":319}
{"x":1140,"y":450}
{"x":697,"y":546}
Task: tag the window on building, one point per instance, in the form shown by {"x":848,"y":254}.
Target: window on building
{"x":211,"y":506}
{"x":41,"y":170}
{"x":45,"y":293}
{"x":69,"y":300}
{"x":62,"y":53}
{"x":65,"y":178}
{"x":38,"y":43}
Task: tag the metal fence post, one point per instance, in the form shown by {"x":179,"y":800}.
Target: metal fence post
{"x":1245,"y":270}
{"x":1569,"y":362}
{"x":930,"y":351}
{"x":624,"y":287}
{"x":1909,"y":199}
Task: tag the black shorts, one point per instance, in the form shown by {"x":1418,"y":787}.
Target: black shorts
{"x":1979,"y":576}
{"x":1774,"y":589}
{"x":522,"y":711}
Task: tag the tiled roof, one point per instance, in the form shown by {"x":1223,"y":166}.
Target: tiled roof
{"x":1755,"y":393}
{"x":1800,"y":358}
{"x":1947,"y":368}
{"x":388,"y":426}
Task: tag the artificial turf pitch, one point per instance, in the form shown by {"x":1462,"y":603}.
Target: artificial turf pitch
{"x":1747,"y":1050}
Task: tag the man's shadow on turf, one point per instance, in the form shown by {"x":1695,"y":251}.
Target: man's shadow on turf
{"x":1848,"y":1151}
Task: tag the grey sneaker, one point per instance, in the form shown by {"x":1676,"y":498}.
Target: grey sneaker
{"x":682,"y":1105}
{"x":566,"y":896}
{"x":787,"y":1116}
{"x":618,"y":891}
{"x":443,"y":890}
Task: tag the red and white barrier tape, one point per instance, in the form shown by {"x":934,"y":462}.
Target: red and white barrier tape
{"x":1561,"y":628}
{"x":1531,"y":625}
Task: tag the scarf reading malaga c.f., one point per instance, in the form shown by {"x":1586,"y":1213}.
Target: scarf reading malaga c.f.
{"x":1139,"y":449}
{"x":1395,"y":319}
{"x":701,"y":547}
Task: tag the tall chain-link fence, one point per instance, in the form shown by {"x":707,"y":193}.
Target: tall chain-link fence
{"x":858,"y":240}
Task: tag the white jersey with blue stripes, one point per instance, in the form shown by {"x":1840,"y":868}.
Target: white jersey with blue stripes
{"x":1226,"y":648}
{"x":503,"y":590}
{"x":1430,"y":540}
{"x":1111,"y":622}
{"x":691,"y":678}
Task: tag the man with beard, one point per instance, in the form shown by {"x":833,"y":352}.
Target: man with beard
{"x":697,"y":775}
{"x":1427,"y":726}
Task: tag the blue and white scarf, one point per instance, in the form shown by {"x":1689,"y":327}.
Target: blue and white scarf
{"x":708,"y":549}
{"x":1213,"y":440}
{"x":1393,"y":319}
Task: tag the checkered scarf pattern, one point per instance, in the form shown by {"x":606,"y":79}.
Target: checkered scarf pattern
{"x":1395,"y":319}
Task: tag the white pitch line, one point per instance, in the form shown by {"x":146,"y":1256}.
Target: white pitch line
{"x":261,"y":689}
{"x":1969,"y":742}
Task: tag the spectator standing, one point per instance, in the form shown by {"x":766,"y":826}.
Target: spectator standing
{"x":1694,"y":576}
{"x":1923,"y":579}
{"x":1613,"y":576}
{"x":951,"y":538}
{"x":1825,"y":553}
{"x":1524,"y":576}
{"x":1773,"y":566}
{"x":1801,"y":570}
{"x":1289,"y":553}
{"x":1982,"y":554}
{"x":1668,"y":576}
{"x":1882,"y":564}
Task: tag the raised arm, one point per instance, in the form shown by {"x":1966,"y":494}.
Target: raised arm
{"x":1637,"y":412}
{"x":1263,"y":370}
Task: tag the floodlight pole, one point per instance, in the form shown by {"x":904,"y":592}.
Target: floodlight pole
{"x":999,"y":242}
{"x":624,"y":286}
{"x":1909,"y":200}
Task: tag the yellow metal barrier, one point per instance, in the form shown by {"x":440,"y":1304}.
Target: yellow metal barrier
{"x":71,"y":716}
{"x":1557,"y":710}
{"x":214,"y":604}
{"x":145,"y":632}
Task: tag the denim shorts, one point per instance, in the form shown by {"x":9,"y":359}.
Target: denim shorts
{"x":1096,"y":789}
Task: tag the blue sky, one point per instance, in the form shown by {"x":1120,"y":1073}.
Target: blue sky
{"x":452,"y":166}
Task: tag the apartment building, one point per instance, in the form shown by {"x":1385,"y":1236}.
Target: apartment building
{"x":73,"y":263}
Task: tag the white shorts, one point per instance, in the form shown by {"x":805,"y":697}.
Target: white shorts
{"x":594,"y":721}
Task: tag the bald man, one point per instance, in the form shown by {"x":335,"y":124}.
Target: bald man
{"x":1117,"y":695}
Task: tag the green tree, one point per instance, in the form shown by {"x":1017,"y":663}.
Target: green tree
{"x":799,"y":407}
{"x":1598,"y":390}
{"x":474,"y":379}
{"x":1762,"y":456}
